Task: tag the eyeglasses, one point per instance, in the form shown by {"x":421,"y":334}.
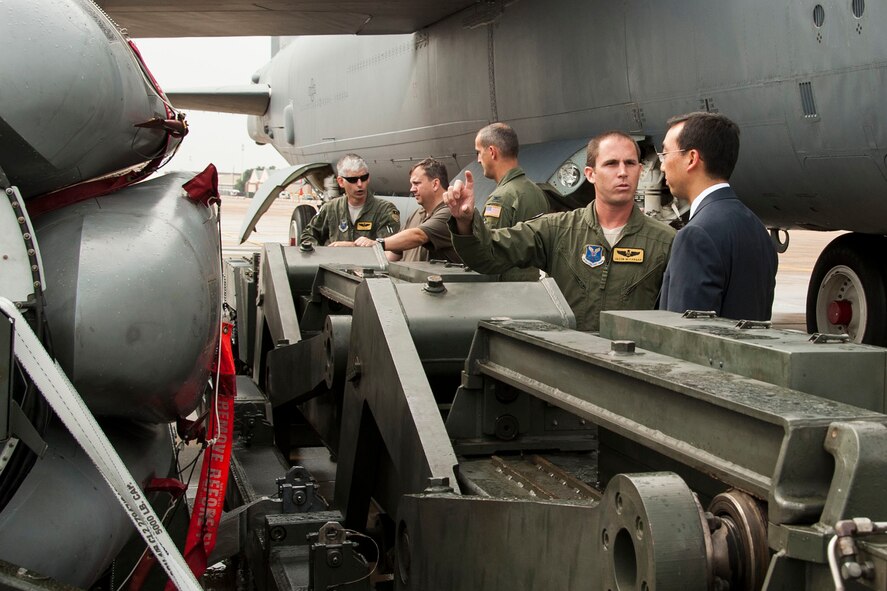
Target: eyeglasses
{"x":662,"y":155}
{"x":354,"y":179}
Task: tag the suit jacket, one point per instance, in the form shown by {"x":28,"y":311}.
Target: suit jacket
{"x":722,"y":260}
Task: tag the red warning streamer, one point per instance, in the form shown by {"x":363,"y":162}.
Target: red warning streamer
{"x":208,"y":504}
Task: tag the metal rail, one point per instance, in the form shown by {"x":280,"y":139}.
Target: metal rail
{"x":693,"y":414}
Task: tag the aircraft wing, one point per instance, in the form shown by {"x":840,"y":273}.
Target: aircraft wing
{"x":268,"y":192}
{"x":173,"y":18}
{"x":252,"y":99}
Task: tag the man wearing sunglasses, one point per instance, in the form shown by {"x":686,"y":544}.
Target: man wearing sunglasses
{"x":723,"y":259}
{"x":358,"y":213}
{"x":516,"y":198}
{"x":605,"y":256}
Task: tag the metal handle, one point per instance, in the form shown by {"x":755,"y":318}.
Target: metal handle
{"x":699,"y":314}
{"x":820,"y":338}
{"x":743,"y":324}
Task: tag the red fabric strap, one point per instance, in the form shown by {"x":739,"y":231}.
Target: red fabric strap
{"x":208,"y":504}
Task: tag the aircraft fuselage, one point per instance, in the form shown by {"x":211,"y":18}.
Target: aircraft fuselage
{"x":809,"y":99}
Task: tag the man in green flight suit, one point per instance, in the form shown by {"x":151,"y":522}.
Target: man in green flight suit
{"x":516,"y":198}
{"x":605,"y":256}
{"x":357,"y":213}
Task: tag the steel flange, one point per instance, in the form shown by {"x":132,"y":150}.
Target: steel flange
{"x":651,"y":535}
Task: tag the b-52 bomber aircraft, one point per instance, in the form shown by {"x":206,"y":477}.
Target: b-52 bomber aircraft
{"x":397,"y":81}
{"x":418,"y":425}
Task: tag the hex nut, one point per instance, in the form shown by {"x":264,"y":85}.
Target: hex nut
{"x":622,"y":346}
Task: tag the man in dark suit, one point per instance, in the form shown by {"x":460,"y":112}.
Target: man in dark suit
{"x":723,"y":259}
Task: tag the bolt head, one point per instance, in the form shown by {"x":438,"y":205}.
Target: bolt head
{"x":439,"y":481}
{"x":851,"y":570}
{"x":334,"y":558}
{"x":622,"y":346}
{"x":434,"y":284}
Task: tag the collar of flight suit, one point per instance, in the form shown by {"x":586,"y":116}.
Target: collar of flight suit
{"x":635,"y":220}
{"x":511,"y":175}
{"x":366,"y":202}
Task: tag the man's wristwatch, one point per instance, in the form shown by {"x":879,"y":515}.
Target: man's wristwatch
{"x":382,"y":242}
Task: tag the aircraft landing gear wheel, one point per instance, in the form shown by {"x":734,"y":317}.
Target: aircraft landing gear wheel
{"x":848,"y":290}
{"x":302,"y":214}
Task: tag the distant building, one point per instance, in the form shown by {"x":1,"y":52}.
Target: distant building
{"x":255,"y":181}
{"x":227,"y":182}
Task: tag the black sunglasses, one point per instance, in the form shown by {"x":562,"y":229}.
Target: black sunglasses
{"x":354,"y":179}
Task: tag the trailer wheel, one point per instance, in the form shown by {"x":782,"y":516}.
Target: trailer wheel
{"x":302,"y":214}
{"x":848,"y":290}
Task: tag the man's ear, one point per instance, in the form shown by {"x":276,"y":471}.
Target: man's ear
{"x":695,"y":161}
{"x":341,"y":181}
{"x":589,"y":174}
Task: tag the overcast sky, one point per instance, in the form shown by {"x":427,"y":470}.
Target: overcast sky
{"x":219,"y":138}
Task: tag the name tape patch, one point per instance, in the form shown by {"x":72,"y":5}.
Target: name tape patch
{"x":628,"y":255}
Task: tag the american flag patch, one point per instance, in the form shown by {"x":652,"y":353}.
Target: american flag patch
{"x":492,"y":211}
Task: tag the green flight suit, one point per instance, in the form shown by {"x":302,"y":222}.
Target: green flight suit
{"x":515,"y":199}
{"x":378,"y":219}
{"x":571,"y":247}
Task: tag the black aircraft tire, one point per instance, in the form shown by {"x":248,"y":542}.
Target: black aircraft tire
{"x":851,"y":269}
{"x":302,"y":214}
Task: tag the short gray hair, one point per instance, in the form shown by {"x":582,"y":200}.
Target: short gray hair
{"x":350,"y":162}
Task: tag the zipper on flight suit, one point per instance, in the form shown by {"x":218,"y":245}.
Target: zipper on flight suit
{"x":628,"y":290}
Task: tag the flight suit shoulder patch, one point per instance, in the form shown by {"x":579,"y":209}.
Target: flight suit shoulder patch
{"x":593,"y":255}
{"x":628,"y":255}
{"x":364,"y":226}
{"x":492,"y":211}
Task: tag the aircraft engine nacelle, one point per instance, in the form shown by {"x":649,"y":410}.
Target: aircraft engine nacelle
{"x":65,"y":48}
{"x":133,"y":298}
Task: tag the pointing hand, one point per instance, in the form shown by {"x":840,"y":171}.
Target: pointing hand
{"x":460,"y":199}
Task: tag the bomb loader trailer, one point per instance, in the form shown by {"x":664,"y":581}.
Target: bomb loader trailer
{"x":505,"y":450}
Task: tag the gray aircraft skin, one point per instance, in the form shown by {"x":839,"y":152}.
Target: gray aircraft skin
{"x":805,"y":81}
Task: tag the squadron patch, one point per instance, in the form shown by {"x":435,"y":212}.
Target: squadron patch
{"x":364,"y":226}
{"x":594,"y":255}
{"x":343,"y":226}
{"x":395,"y":215}
{"x":628,"y":255}
{"x":492,"y":211}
